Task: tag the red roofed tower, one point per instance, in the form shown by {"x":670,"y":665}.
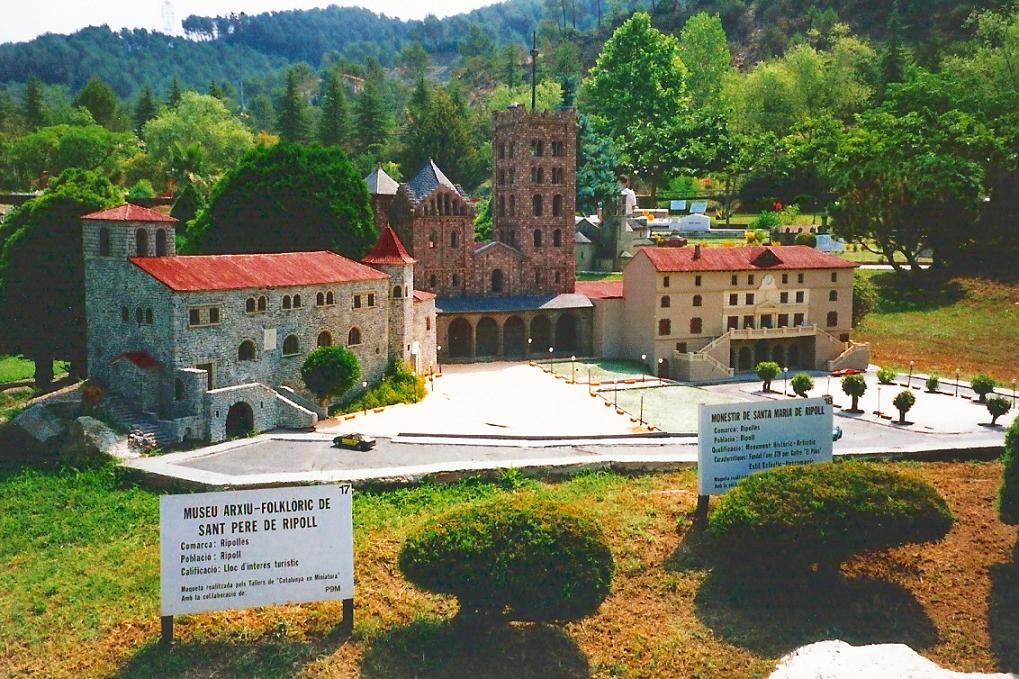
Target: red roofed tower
{"x":390,"y":257}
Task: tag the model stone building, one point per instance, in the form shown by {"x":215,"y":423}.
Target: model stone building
{"x":514,"y":296}
{"x":212,"y":346}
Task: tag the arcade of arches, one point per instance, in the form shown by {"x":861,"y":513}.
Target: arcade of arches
{"x":798,"y":353}
{"x":505,"y":335}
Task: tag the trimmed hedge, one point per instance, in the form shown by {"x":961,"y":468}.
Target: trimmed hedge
{"x":1008,"y":496}
{"x":824,"y":513}
{"x":885,"y":375}
{"x":525,"y":558}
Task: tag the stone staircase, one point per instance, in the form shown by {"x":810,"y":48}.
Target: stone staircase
{"x":132,"y":419}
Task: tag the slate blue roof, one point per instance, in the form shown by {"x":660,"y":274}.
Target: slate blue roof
{"x":429,"y":178}
{"x":460,"y":305}
{"x":381,"y":184}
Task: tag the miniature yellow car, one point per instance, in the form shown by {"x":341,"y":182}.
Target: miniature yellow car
{"x":360,"y":442}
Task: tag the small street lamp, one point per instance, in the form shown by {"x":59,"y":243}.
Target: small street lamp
{"x":643,"y":367}
{"x":573,"y":366}
{"x":909,"y":380}
{"x":364,"y":394}
{"x":828,"y":388}
{"x":438,"y":361}
{"x":551,"y":361}
{"x":660,"y":362}
{"x":878,"y":411}
{"x":642,"y":410}
{"x":529,"y":340}
{"x":785,"y":388}
{"x":957,"y":383}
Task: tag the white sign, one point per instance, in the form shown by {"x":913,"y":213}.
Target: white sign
{"x":249,"y":548}
{"x":736,"y":440}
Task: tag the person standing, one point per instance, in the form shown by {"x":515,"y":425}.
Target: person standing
{"x":630,"y":196}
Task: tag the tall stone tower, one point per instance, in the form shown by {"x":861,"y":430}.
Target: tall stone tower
{"x":390,"y":257}
{"x":534,"y":193}
{"x":382,"y":188}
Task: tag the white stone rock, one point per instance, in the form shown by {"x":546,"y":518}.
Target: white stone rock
{"x":838,"y":660}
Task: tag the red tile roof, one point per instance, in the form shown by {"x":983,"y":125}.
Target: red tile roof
{"x":238,"y":272}
{"x":600,"y":289}
{"x":139,"y":358}
{"x":129,"y":213}
{"x":763,"y":258}
{"x":422,"y":296}
{"x":388,"y":250}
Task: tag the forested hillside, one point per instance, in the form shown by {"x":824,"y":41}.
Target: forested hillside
{"x":228,"y":49}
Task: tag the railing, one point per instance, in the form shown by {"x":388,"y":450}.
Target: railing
{"x":700,"y":357}
{"x":845,"y":359}
{"x":768,"y":333}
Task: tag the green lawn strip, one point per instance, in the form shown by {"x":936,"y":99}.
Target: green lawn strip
{"x":590,"y":276}
{"x":16,"y":368}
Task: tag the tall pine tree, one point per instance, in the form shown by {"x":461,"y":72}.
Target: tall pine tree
{"x":334,"y":123}
{"x":35,"y":112}
{"x":894,"y":57}
{"x":173,"y":98}
{"x":145,"y":109}
{"x":373,"y":119}
{"x":294,"y":120}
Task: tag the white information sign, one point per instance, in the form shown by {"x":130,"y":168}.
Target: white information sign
{"x":736,"y":440}
{"x":243,"y":549}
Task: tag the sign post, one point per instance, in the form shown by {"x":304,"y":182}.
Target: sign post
{"x":736,"y":440}
{"x":244,"y":549}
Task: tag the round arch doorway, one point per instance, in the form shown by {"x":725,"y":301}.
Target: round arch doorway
{"x":240,"y":420}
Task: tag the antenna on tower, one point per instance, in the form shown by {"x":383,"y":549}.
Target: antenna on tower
{"x":534,"y":70}
{"x":169,"y":25}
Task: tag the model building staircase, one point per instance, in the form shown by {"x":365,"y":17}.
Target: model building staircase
{"x":132,"y":419}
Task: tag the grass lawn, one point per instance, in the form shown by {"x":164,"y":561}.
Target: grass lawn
{"x":966,"y":323}
{"x":581,"y":276}
{"x":79,"y":592}
{"x":15,"y":368}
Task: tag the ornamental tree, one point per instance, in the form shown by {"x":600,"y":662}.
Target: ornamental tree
{"x":982,"y":386}
{"x":329,"y":372}
{"x":854,"y":386}
{"x":802,"y":383}
{"x":766,"y":372}
{"x":998,"y":406}
{"x":903,"y":401}
{"x":1008,"y":496}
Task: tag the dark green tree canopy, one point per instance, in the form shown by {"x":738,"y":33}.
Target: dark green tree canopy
{"x":334,"y":121}
{"x":294,"y":122}
{"x":286,"y":198}
{"x":329,"y":372}
{"x":102,"y":102}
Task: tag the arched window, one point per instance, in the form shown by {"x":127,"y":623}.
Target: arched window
{"x":537,"y":277}
{"x":695,"y":326}
{"x":557,"y":238}
{"x":291,"y":345}
{"x":497,"y":280}
{"x":297,"y":301}
{"x":178,"y":390}
{"x":454,"y":239}
{"x":397,"y":292}
{"x":502,"y":206}
{"x":125,"y":314}
{"x":537,"y":238}
{"x":833,"y":319}
{"x":263,"y":303}
{"x":325,"y":339}
{"x":354,"y":337}
{"x":286,"y":301}
{"x":161,"y":243}
{"x":330,"y":298}
{"x":502,"y":177}
{"x":431,"y":239}
{"x":148,"y":317}
{"x":246,"y":352}
{"x":141,"y":240}
{"x":249,"y":305}
{"x":666,"y":302}
{"x":139,"y":315}
{"x":502,"y":150}
{"x":104,"y":242}
{"x":536,"y":206}
{"x":664,"y":327}
{"x":557,"y":206}
{"x":456,"y":280}
{"x":513,"y":206}
{"x":432,"y":281}
{"x":320,"y":299}
{"x":833,"y":296}
{"x":697,"y":301}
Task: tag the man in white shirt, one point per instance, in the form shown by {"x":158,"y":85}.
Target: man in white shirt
{"x":631,"y":197}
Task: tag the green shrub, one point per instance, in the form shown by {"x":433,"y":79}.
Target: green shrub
{"x":526,"y":558}
{"x":865,"y":298}
{"x":822,"y":514}
{"x":885,"y":375}
{"x":766,"y":372}
{"x":330,"y":371}
{"x":1008,"y":496}
{"x":982,"y":386}
{"x":766,"y":220}
{"x":806,"y":238}
{"x":854,"y":386}
{"x":933,"y":383}
{"x":903,"y":401}
{"x":802,"y":383}
{"x":998,"y":406}
{"x":762,"y":236}
{"x":398,"y":385}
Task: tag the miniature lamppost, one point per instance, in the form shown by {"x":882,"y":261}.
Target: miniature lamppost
{"x":551,"y":362}
{"x":909,"y":380}
{"x":573,"y":367}
{"x":643,"y":367}
{"x":957,"y":383}
{"x":529,"y":340}
{"x":878,"y":411}
{"x":642,"y":410}
{"x":364,"y":402}
{"x":438,"y":362}
{"x":828,"y":389}
{"x":660,"y":362}
{"x":785,"y":388}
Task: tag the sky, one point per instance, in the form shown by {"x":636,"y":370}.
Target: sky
{"x":67,"y":16}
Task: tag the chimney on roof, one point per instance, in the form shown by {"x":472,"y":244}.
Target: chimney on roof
{"x":697,"y":251}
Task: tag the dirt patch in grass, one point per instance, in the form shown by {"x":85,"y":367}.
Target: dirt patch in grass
{"x":80,"y":597}
{"x":967,"y":323}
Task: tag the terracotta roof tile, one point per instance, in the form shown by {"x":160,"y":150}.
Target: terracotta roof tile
{"x":600,"y":289}
{"x":140,"y":358}
{"x":422,"y":296}
{"x":129,"y":213}
{"x":764,"y":258}
{"x":388,"y":250}
{"x":239,"y":272}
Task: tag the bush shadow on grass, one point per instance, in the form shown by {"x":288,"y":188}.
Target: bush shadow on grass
{"x":1002,"y":617}
{"x":773,"y":613}
{"x":452,"y":648}
{"x":910,"y":292}
{"x":268,"y":656}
